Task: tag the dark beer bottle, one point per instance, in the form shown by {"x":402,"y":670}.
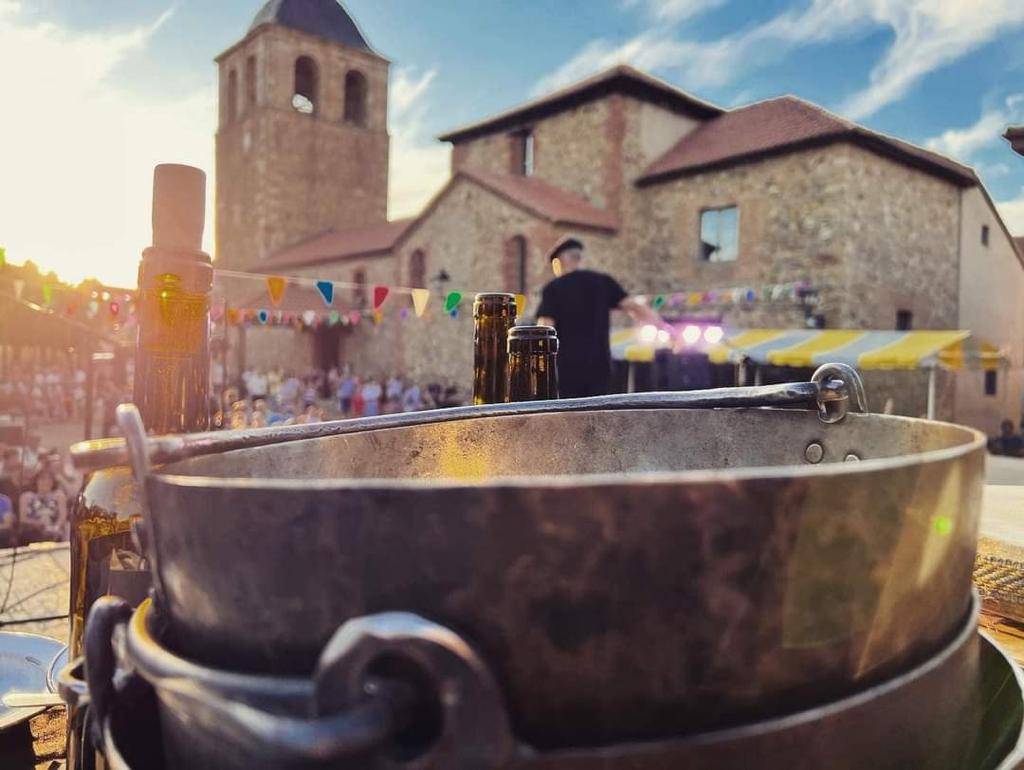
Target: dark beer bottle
{"x":493,"y":316}
{"x":532,"y":363}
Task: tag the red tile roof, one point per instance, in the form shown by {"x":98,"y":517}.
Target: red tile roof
{"x":620,"y":79}
{"x":335,"y":245}
{"x":782,"y":125}
{"x":558,"y":206}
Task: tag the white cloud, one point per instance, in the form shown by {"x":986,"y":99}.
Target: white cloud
{"x":1012,"y":212}
{"x":78,"y":152}
{"x":419,"y":163}
{"x":678,"y":10}
{"x":927,"y":35}
{"x":961,"y":143}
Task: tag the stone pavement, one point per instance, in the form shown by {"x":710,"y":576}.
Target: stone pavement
{"x":35,"y":582}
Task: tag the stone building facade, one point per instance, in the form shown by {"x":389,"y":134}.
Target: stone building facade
{"x":887,"y":232}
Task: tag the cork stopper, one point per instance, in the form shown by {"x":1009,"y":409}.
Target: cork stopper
{"x":179,"y":207}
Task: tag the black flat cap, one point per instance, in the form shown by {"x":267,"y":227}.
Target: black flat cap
{"x":564,"y":245}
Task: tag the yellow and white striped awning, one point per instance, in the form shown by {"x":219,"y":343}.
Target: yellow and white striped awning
{"x":952,"y":349}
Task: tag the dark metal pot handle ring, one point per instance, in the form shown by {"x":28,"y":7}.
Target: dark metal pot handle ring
{"x":379,"y":681}
{"x":838,"y":384}
{"x":106,"y":614}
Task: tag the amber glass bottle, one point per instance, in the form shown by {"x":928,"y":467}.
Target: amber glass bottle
{"x":171,"y":389}
{"x":493,"y":316}
{"x":532,"y":363}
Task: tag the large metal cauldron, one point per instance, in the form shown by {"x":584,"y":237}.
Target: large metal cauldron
{"x":630,"y":574}
{"x":931,"y":717}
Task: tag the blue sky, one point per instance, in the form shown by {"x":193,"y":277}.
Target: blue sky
{"x":117,"y":85}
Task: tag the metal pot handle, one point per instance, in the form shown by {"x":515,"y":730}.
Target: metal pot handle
{"x":826,"y":388}
{"x":379,"y":681}
{"x":106,"y":614}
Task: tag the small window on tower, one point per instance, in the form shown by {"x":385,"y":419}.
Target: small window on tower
{"x":418,"y":270}
{"x":232,"y":96}
{"x":250,"y":82}
{"x":522,"y":153}
{"x":984,"y":235}
{"x":517,"y":265}
{"x":304,"y":99}
{"x":904,"y":320}
{"x":355,"y":98}
{"x":991,"y":382}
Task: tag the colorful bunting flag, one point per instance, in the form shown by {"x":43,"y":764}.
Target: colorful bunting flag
{"x":264,"y":316}
{"x":659,"y":301}
{"x":380,"y":293}
{"x":333,"y":317}
{"x":354,"y":317}
{"x":309,"y":317}
{"x":3,"y":256}
{"x":420,"y":298}
{"x":404,"y":314}
{"x":452,"y":301}
{"x":275,"y":287}
{"x":326,"y":289}
{"x":47,"y":294}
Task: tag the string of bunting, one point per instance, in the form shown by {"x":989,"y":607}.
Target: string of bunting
{"x":378,"y":295}
{"x":793,"y":291}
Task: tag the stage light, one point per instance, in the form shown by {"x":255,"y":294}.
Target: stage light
{"x":691,"y":334}
{"x":713,"y":335}
{"x":649,"y":333}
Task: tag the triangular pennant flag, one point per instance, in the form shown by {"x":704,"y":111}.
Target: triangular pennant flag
{"x":520,"y":304}
{"x":404,"y":314}
{"x":264,"y":316}
{"x":232,"y":316}
{"x":3,"y":256}
{"x":47,"y":294}
{"x":380,"y":293}
{"x":452,"y":301}
{"x":658,"y":302}
{"x":333,"y":318}
{"x":378,"y":316}
{"x":420,"y":298}
{"x":309,"y":317}
{"x":354,"y":317}
{"x":19,"y":287}
{"x":275,"y":286}
{"x":326,"y":289}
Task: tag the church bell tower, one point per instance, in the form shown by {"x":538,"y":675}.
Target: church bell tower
{"x":302,"y":141}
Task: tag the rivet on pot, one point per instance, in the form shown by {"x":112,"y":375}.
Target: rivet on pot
{"x":814,"y":452}
{"x":852,"y":458}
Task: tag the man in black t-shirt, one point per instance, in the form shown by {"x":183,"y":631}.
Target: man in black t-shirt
{"x":577,"y":304}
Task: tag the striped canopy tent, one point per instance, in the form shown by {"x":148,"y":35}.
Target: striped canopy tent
{"x":926,"y":349}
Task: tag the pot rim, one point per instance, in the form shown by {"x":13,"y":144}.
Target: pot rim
{"x":975,"y":441}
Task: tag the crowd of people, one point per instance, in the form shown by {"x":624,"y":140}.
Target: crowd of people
{"x":45,"y":393}
{"x":37,"y":487}
{"x":277,"y":398}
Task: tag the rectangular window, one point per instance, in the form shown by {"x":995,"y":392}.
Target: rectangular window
{"x":528,"y":154}
{"x":984,"y":235}
{"x":991,"y":382}
{"x":522,"y":153}
{"x":720,"y":234}
{"x":904,"y":320}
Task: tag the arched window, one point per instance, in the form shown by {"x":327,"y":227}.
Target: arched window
{"x":359,"y":292}
{"x":355,"y":98}
{"x":517,"y":265}
{"x":232,"y":96}
{"x":305,"y":96}
{"x":250,"y":82}
{"x":418,"y":270}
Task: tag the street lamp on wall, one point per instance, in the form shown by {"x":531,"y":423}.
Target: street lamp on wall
{"x":440,"y":283}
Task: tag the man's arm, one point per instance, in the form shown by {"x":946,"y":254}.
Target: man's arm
{"x":640,"y":313}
